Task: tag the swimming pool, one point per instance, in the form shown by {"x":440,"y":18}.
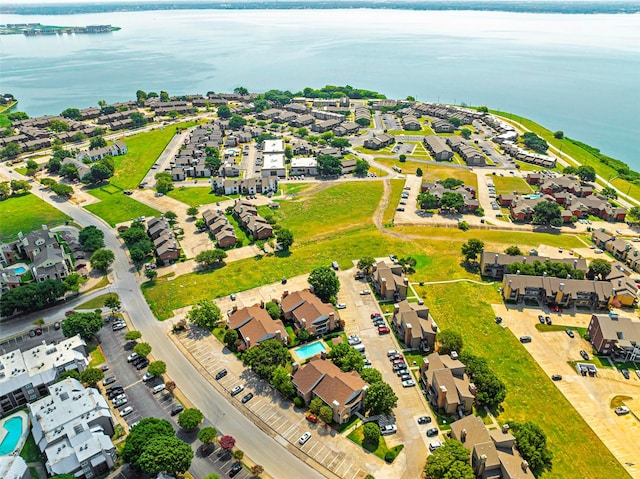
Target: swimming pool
{"x":20,"y":270}
{"x":304,"y":352}
{"x":13,"y":427}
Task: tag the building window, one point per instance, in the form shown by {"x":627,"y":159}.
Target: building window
{"x":32,"y":397}
{"x":84,"y":463}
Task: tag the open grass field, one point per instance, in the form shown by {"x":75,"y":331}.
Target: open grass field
{"x":357,"y":436}
{"x":394,"y":198}
{"x":293,"y":188}
{"x":509,"y":184}
{"x":408,"y":167}
{"x":531,"y":395}
{"x":196,"y":196}
{"x":144,"y":149}
{"x":579,"y":154}
{"x":97,"y":302}
{"x":441,"y":171}
{"x":25,"y":213}
{"x":344,"y":206}
{"x":117,"y":207}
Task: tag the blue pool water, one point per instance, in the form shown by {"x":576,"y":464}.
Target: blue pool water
{"x":20,"y":270}
{"x":14,"y":431}
{"x":309,"y":350}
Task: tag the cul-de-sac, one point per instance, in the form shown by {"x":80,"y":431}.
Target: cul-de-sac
{"x":329,"y":283}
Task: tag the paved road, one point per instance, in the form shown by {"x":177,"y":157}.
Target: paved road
{"x":259,"y":446}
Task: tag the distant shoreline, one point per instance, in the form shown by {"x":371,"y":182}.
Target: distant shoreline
{"x":513,"y":6}
{"x":37,"y":29}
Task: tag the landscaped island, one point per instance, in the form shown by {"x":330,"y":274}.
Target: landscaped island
{"x":33,"y":29}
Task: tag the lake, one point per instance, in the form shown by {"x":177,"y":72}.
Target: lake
{"x":576,"y":73}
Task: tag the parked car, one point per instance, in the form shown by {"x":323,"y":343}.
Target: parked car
{"x":391,"y":352}
{"x":137,"y":361}
{"x":365,"y":292}
{"x":247,"y":397}
{"x":498,"y":320}
{"x":142,"y":364}
{"x":237,"y":390}
{"x":402,"y":372}
{"x":304,"y":438}
{"x":177,"y":409}
{"x":222,"y":373}
{"x":342,"y":306}
{"x":118,"y":396}
{"x":115,"y":393}
{"x":558,"y":309}
{"x":547,"y":320}
{"x":432,"y":432}
{"x":525,"y":339}
{"x":584,"y":355}
{"x":569,"y":333}
{"x":424,"y":420}
{"x":408,"y":383}
{"x":118,"y":326}
{"x":388,"y":429}
{"x":378,"y":322}
{"x":625,"y":373}
{"x":541,"y":319}
{"x":405,"y":377}
{"x":108,"y":380}
{"x":56,"y":325}
{"x":120,"y":402}
{"x":126,"y":411}
{"x":235,"y":469}
{"x":147,"y":376}
{"x":621,"y":410}
{"x":132,"y":357}
{"x":311,"y":418}
{"x":397,"y":367}
{"x":433,"y":445}
{"x":383,"y":330}
{"x":556,"y":377}
{"x":353,"y":340}
{"x":375,"y":315}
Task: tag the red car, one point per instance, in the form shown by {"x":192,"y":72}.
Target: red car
{"x":312,"y":418}
{"x":556,"y":309}
{"x":375,"y":315}
{"x":383,"y":330}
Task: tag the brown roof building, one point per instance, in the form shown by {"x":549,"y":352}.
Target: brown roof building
{"x":414,"y":326}
{"x":306,"y":311}
{"x":615,"y":335}
{"x":447,"y":384}
{"x":254,"y":325}
{"x":389,"y":282}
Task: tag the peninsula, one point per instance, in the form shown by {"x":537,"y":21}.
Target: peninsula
{"x":33,"y":29}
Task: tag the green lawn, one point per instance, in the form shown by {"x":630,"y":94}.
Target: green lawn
{"x":394,"y":198}
{"x":97,"y":302}
{"x":509,"y":184}
{"x":432,"y":171}
{"x":117,"y":207}
{"x":343,"y":206}
{"x":30,"y":451}
{"x":97,"y":357}
{"x":196,"y":196}
{"x":25,"y":213}
{"x":381,"y":449}
{"x":531,"y":395}
{"x":293,"y":188}
{"x":144,"y":149}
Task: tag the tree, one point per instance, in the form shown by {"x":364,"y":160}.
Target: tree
{"x":207,"y":436}
{"x":132,"y":335}
{"x":257,"y":470}
{"x":408,"y":264}
{"x":72,"y":373}
{"x":302,"y":132}
{"x":170,"y":215}
{"x":281,"y":381}
{"x":227,"y":442}
{"x":558,"y":135}
{"x":164,"y":183}
{"x":72,"y":113}
{"x":238,"y":455}
{"x":231,"y":339}
{"x":224,"y":111}
{"x":20,"y":186}
{"x":68,"y":171}
{"x":210,"y":257}
{"x":531,"y":442}
{"x":402,"y":158}
{"x":86,"y":325}
{"x":157,"y":368}
{"x":380,"y":398}
{"x":466,"y":133}
{"x":240,"y":90}
{"x":73,"y":281}
{"x":64,"y":476}
{"x":427,"y":201}
{"x":273,"y":309}
{"x":11,"y":150}
{"x":371,"y":434}
{"x":5,"y":190}
{"x":212,"y":476}
{"x":419,"y":172}
{"x":451,"y":183}
{"x":31,"y":296}
{"x":315,"y":405}
{"x":192,"y":210}
{"x":141,"y":97}
{"x":547,"y":212}
{"x":284,"y":237}
{"x":586,"y":173}
{"x":164,"y":96}
{"x":190,"y":418}
{"x":32,"y":167}
{"x":609,"y":192}
{"x":63,"y":191}
{"x":472,"y":249}
{"x":91,"y":238}
{"x":365,"y":264}
{"x":599,"y":268}
{"x":91,"y":376}
{"x":371,"y":375}
{"x":236,"y":122}
{"x":102,"y":259}
{"x":170,"y":386}
{"x":450,"y":461}
{"x":59,"y":125}
{"x":448,"y":341}
{"x":326,"y":414}
{"x":328,"y":165}
{"x":97,"y":142}
{"x":99,"y":172}
{"x":534,"y":142}
{"x":138,"y":120}
{"x":346,"y":357}
{"x":142,"y":349}
{"x":490,"y":390}
{"x":165,"y":454}
{"x":340,"y":143}
{"x":145,"y":430}
{"x":205,"y":314}
{"x":325,"y":283}
{"x":513,"y":251}
{"x":455,"y":121}
{"x":151,"y":274}
{"x":362,"y":167}
{"x":264,"y":358}
{"x":113,"y":303}
{"x":451,"y":201}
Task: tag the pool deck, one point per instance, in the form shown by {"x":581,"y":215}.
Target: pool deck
{"x":23,"y":435}
{"x":294,"y":352}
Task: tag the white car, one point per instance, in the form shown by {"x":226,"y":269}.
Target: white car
{"x":621,"y":410}
{"x":388,"y":429}
{"x":391,"y":352}
{"x":147,"y":376}
{"x":132,"y":356}
{"x":408,"y":383}
{"x":304,"y":438}
{"x":237,"y":390}
{"x":342,"y":306}
{"x":126,"y":411}
{"x":433,"y":445}
{"x":364,"y":292}
{"x":354,"y":339}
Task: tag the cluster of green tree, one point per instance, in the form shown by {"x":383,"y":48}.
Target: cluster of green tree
{"x":621,"y":167}
{"x":262,"y":137}
{"x":270,"y":360}
{"x":59,"y":126}
{"x":55,"y":162}
{"x":142,"y":96}
{"x":11,"y":150}
{"x":190,"y":419}
{"x":139,"y":244}
{"x":321,"y":409}
{"x":599,"y":268}
{"x":101,"y":259}
{"x":449,"y":341}
{"x":209,"y":258}
{"x":152,"y":447}
{"x":548,"y":268}
{"x":91,"y":238}
{"x":205,"y":314}
{"x":584,"y":172}
{"x":100,"y":171}
{"x":531,"y":442}
{"x":472,"y":249}
{"x":17,"y":116}
{"x":325,"y":283}
{"x":450,"y":461}
{"x":331,"y":91}
{"x":547,"y":213}
{"x":86,"y":325}
{"x":164,"y":182}
{"x":328,"y":165}
{"x":534,"y":142}
{"x":346,"y":357}
{"x":450,"y":200}
{"x":491,"y":391}
{"x":15,"y":187}
{"x":212,"y":159}
{"x":60,"y":189}
{"x":380,"y":397}
{"x":32,"y":296}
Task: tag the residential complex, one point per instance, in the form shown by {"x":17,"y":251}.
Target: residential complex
{"x":447,"y":384}
{"x":616,"y":336}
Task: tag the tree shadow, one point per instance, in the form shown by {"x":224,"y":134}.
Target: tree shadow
{"x":282,"y":254}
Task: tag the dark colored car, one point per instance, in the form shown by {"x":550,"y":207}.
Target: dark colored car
{"x":541,"y":319}
{"x":625,"y":373}
{"x":221,"y":374}
{"x":584,"y":355}
{"x":38,"y":331}
{"x":432,"y":432}
{"x":142,"y":364}
{"x":498,"y":320}
{"x":525,"y":339}
{"x":547,"y":320}
{"x":235,"y":469}
{"x":569,"y":333}
{"x":556,"y":377}
{"x":247,"y":397}
{"x":177,"y":409}
{"x":56,"y":325}
{"x":424,"y":420}
{"x":137,"y":360}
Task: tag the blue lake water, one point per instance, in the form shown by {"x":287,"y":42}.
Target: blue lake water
{"x":309,"y":350}
{"x":14,"y":431}
{"x":576,"y":73}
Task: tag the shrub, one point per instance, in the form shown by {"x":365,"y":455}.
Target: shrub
{"x":298,"y":401}
{"x":390,"y":456}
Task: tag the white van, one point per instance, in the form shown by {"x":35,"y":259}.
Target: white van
{"x":158,"y":388}
{"x":359,"y":348}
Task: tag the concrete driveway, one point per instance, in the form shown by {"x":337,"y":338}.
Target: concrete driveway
{"x":591,"y":397}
